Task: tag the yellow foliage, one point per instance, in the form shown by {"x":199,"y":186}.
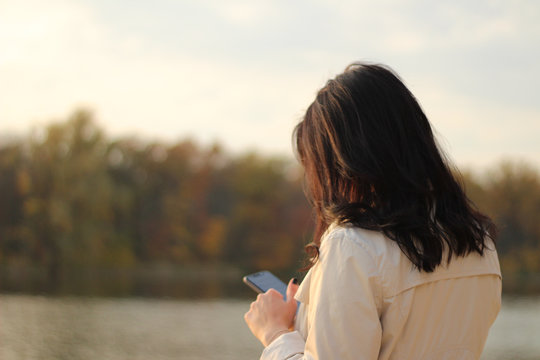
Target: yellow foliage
{"x":31,"y":206}
{"x":212,"y":240}
{"x":120,"y":256}
{"x":24,"y":182}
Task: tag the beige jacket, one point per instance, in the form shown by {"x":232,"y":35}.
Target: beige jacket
{"x":364,"y":300}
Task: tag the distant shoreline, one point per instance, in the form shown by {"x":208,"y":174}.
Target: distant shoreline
{"x":162,"y":280}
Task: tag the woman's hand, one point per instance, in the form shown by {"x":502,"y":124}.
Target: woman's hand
{"x":270,"y":315}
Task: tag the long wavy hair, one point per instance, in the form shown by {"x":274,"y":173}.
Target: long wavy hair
{"x":371,"y":160}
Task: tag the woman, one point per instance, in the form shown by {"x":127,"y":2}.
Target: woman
{"x":404,"y":266}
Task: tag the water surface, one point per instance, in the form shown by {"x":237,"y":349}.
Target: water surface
{"x":79,"y":328}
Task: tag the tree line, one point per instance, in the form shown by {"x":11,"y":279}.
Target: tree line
{"x":72,"y":196}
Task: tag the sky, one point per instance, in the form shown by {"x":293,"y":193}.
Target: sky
{"x":243,"y":72}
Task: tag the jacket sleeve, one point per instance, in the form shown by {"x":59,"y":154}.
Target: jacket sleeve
{"x":343,"y":310}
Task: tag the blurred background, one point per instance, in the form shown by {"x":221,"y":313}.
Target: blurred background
{"x":146,"y":161}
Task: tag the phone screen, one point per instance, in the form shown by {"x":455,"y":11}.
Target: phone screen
{"x":264,"y":280}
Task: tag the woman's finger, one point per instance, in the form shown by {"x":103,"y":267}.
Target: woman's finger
{"x":292,"y":288}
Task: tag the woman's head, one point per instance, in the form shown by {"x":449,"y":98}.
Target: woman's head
{"x":371,"y":159}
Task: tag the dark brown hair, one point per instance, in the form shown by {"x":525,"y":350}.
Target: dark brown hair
{"x":371,"y":160}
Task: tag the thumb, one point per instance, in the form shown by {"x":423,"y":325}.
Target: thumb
{"x":292,"y":288}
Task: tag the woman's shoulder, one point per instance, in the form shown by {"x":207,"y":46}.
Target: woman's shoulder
{"x":395,"y":271}
{"x":369,"y":252}
{"x":374,"y":243}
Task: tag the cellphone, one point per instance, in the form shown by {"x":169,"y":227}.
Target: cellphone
{"x":263,"y":280}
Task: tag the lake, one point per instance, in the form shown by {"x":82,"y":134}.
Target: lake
{"x":82,"y":328}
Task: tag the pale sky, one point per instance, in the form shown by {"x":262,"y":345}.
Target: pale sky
{"x":243,"y":72}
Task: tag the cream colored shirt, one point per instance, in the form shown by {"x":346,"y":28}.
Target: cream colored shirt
{"x":364,"y":300}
